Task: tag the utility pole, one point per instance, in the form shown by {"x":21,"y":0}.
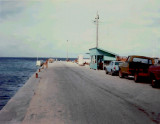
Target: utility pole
{"x":97,"y":30}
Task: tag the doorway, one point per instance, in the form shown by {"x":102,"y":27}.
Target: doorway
{"x":100,"y":62}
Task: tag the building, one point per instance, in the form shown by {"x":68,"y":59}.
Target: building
{"x":100,"y":57}
{"x":80,"y":60}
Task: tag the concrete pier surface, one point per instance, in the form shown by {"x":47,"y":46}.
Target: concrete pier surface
{"x":66,"y":93}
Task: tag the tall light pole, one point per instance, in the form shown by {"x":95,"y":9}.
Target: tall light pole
{"x":97,"y":30}
{"x":67,"y":50}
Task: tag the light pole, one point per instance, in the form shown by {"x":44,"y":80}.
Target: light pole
{"x":97,"y":30}
{"x":67,"y":50}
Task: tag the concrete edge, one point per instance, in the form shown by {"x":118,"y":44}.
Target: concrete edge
{"x":14,"y":111}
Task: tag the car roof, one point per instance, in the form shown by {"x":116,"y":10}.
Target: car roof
{"x":144,"y":57}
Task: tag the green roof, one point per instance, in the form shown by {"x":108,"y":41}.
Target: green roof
{"x":103,"y":51}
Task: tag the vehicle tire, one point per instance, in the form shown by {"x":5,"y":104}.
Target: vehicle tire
{"x":154,"y":83}
{"x":106,"y":72}
{"x":112,"y":73}
{"x":121,"y":74}
{"x":136,"y":77}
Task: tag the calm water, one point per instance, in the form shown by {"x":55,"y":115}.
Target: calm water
{"x":14,"y":72}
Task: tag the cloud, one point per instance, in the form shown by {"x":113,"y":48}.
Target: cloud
{"x":125,"y":27}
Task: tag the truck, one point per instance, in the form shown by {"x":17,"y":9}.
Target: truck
{"x":154,"y":74}
{"x":136,"y":66}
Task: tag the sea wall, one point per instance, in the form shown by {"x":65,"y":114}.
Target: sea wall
{"x":14,"y":111}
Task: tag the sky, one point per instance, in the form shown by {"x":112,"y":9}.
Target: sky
{"x":31,"y":28}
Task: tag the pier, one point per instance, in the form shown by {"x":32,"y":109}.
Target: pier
{"x":66,"y":93}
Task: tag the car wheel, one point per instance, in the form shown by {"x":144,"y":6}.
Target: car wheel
{"x":154,"y":84}
{"x":136,"y":77}
{"x":112,"y":73}
{"x":106,"y":72}
{"x":121,"y":74}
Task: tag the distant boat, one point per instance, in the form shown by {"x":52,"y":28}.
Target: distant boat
{"x":39,"y":62}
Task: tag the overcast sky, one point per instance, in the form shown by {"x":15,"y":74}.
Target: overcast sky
{"x":42,"y":27}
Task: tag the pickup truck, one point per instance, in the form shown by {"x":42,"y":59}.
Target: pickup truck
{"x":136,"y":66}
{"x":154,"y":73}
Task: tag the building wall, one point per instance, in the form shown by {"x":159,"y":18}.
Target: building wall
{"x":93,"y":63}
{"x":96,"y":52}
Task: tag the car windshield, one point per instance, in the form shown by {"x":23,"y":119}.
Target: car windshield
{"x":142,"y":60}
{"x":117,"y":63}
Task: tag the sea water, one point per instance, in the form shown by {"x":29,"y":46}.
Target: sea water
{"x":14,"y":72}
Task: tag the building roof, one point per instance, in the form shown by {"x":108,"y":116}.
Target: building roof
{"x":105,"y":51}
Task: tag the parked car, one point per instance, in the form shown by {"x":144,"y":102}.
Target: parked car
{"x":113,"y":67}
{"x":154,"y":73}
{"x":136,"y":66}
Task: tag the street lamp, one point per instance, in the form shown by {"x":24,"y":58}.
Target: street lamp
{"x":97,"y":29}
{"x":67,"y":50}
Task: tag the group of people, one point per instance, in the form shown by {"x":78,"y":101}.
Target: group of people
{"x":45,"y":64}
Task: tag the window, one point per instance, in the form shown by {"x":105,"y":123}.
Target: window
{"x":142,"y":60}
{"x":93,"y":59}
{"x":128,"y":59}
{"x":117,"y":63}
{"x":110,"y":63}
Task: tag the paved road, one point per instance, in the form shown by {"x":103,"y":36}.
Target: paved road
{"x":70,"y":94}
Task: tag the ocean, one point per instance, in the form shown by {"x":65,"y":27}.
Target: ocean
{"x":14,"y":72}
